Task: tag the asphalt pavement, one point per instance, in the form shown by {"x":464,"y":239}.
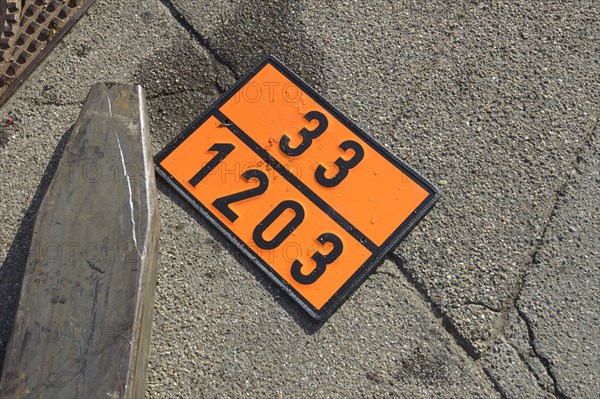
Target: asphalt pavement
{"x":494,"y":294}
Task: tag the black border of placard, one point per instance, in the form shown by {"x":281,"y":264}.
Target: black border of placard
{"x":373,"y":261}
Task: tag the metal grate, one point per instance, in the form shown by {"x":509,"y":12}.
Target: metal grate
{"x":30,"y":30}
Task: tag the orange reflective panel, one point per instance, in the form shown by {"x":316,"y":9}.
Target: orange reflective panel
{"x":375,"y":195}
{"x":313,"y":200}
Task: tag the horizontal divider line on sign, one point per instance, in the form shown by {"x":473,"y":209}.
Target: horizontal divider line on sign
{"x":318,"y":201}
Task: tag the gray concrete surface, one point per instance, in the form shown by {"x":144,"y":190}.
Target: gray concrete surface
{"x":553,"y":329}
{"x":495,"y":102}
{"x":560,"y":297}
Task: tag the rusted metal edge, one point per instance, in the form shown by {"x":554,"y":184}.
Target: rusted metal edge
{"x":23,"y":74}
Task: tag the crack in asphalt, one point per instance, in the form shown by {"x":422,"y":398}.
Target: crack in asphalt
{"x":545,"y":362}
{"x":464,"y":343}
{"x":529,"y":367}
{"x":560,"y":192}
{"x":496,"y":385}
{"x":185,"y":24}
{"x":446,"y":323}
{"x":437,"y":311}
{"x":539,"y":241}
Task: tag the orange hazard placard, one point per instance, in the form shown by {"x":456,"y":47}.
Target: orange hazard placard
{"x":314,"y":201}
